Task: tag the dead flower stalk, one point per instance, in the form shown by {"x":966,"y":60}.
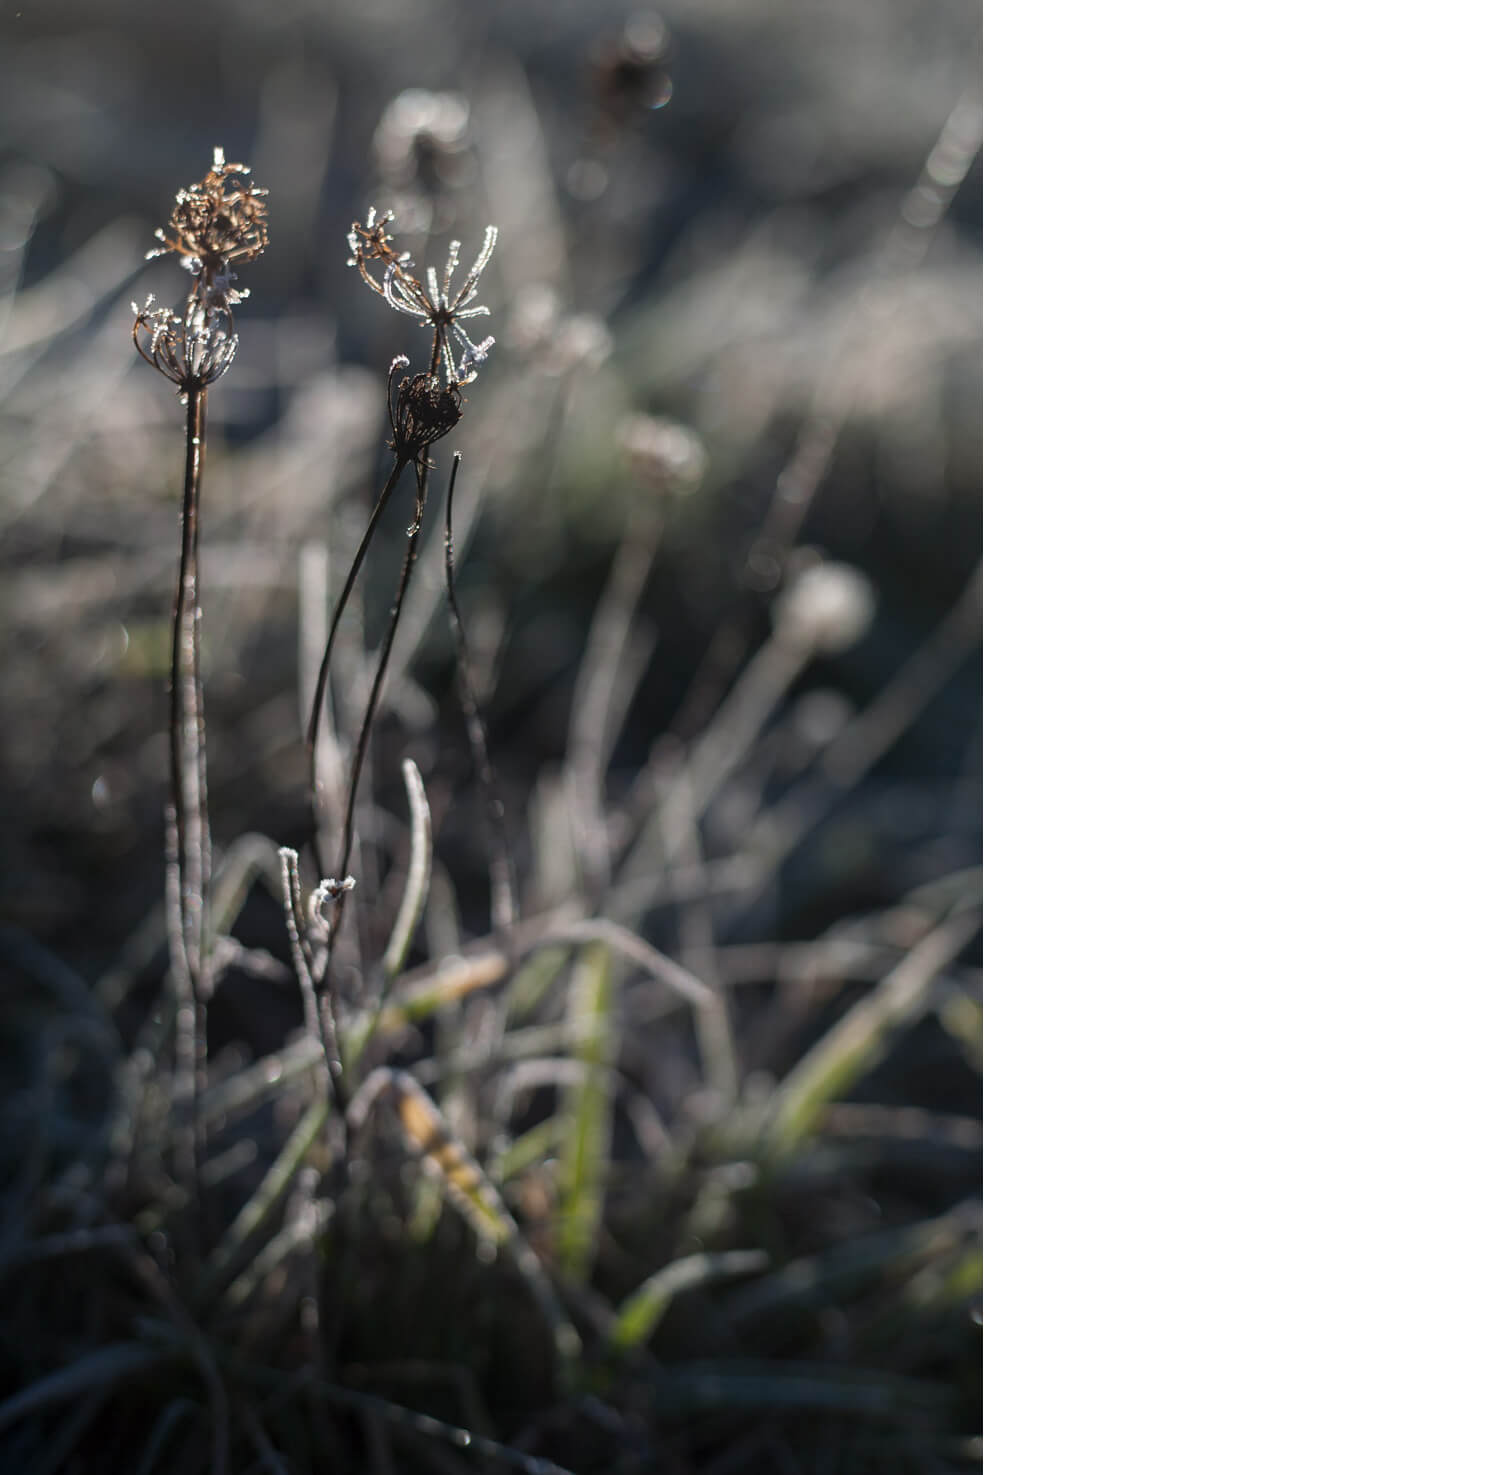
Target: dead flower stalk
{"x":219,"y":221}
{"x":421,"y":409}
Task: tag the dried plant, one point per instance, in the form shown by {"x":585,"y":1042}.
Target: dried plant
{"x":422,"y":409}
{"x":218,"y":221}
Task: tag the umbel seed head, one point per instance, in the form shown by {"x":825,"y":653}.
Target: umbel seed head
{"x":437,"y":303}
{"x":215,"y":222}
{"x":421,"y":410}
{"x":219,"y":220}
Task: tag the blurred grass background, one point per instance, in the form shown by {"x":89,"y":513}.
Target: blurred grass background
{"x":745,"y":259}
{"x":726,"y":254}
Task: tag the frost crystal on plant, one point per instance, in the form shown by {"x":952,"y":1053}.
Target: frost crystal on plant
{"x":434,"y":302}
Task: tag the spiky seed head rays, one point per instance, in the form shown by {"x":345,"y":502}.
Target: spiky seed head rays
{"x":435,"y":302}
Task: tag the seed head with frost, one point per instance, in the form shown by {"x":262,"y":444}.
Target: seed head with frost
{"x":828,"y":607}
{"x":434,"y":301}
{"x":191,"y":353}
{"x":215,"y":222}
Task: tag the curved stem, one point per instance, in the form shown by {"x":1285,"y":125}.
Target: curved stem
{"x":421,"y":471}
{"x":312,"y":732}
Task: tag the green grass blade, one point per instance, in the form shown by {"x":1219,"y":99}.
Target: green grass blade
{"x":532,"y":981}
{"x":265,"y":1197}
{"x":861,"y":1037}
{"x":587,"y":1111}
{"x":531,"y":1147}
{"x":643,"y":1309}
{"x":960,"y":1014}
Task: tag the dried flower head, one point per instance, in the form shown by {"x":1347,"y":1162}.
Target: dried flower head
{"x":218,"y":221}
{"x":435,"y":302}
{"x":662,"y":454}
{"x":420,"y":410}
{"x":191,"y":353}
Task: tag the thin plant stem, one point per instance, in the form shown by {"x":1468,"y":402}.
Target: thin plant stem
{"x":312,"y":731}
{"x":421,"y":471}
{"x":503,"y":899}
{"x":187,"y":862}
{"x":363,"y":738}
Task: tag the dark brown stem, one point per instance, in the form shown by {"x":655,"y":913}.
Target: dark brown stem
{"x":313,"y":730}
{"x":421,"y":471}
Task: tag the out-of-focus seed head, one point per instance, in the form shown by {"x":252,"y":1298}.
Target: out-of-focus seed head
{"x":828,"y":607}
{"x":662,"y":454}
{"x":581,"y":342}
{"x":551,"y":342}
{"x":415,"y":124}
{"x":629,"y":73}
{"x":422,"y":150}
{"x":532,"y":319}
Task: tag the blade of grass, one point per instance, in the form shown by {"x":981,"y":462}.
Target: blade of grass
{"x":472,"y":1193}
{"x":860,"y":1038}
{"x":587,"y":1111}
{"x":416,"y":890}
{"x":709,"y":1006}
{"x":266,"y":1196}
{"x":642,"y":1310}
{"x":530,"y":1148}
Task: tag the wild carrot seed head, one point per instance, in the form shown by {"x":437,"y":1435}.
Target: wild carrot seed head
{"x":420,"y":410}
{"x":191,"y":354}
{"x":219,"y":220}
{"x":435,"y":303}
